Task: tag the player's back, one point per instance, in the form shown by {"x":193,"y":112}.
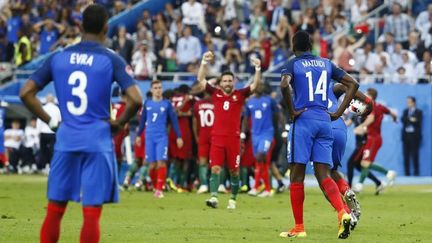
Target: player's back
{"x":261,"y":109}
{"x":379,"y":110}
{"x":157,"y":113}
{"x":311,"y":77}
{"x":83,"y":75}
{"x":204,"y":114}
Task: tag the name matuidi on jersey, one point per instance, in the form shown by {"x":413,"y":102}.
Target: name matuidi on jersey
{"x":81,"y":59}
{"x":313,"y":63}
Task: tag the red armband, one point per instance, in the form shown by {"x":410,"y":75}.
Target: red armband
{"x":368,"y":100}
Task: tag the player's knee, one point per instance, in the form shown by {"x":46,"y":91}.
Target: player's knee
{"x":234,"y":172}
{"x":216,"y":169}
{"x":365,"y":163}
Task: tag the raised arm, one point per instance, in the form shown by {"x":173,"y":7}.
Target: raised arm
{"x":257,"y":78}
{"x":207,"y":57}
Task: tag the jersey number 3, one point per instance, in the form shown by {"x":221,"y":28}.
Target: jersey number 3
{"x":321,"y":87}
{"x":79,"y":92}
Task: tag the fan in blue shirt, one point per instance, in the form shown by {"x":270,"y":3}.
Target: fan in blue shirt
{"x":83,"y":167}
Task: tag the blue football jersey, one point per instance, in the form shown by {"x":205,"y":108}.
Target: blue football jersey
{"x":333,"y":104}
{"x":154,"y":118}
{"x":311,"y":77}
{"x":83,"y":75}
{"x":261,"y":110}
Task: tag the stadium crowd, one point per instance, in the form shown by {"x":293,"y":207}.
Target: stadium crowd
{"x":173,"y":40}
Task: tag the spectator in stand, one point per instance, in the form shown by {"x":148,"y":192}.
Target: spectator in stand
{"x":193,"y":16}
{"x":167,"y":54}
{"x":420,"y":68}
{"x":400,"y":24}
{"x":30,"y":146}
{"x":357,"y":8}
{"x":48,"y":31}
{"x":170,"y":13}
{"x":229,"y":10}
{"x":396,"y":56}
{"x":412,"y":120}
{"x":415,"y":45}
{"x":232,"y":55}
{"x":243,"y":40}
{"x":123,"y":45}
{"x":6,"y":49}
{"x":188,"y":49}
{"x":319,"y":45}
{"x":409,"y":68}
{"x":14,"y":136}
{"x":385,"y":67}
{"x":71,"y":37}
{"x":277,"y":13}
{"x":143,"y":62}
{"x":424,"y":20}
{"x":146,"y":19}
{"x":284,"y":32}
{"x":47,"y":136}
{"x":26,"y":25}
{"x":258,"y":22}
{"x":13,"y":25}
{"x":23,"y":49}
{"x":343,"y":51}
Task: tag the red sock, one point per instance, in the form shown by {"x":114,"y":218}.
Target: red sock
{"x":265,"y":176}
{"x":343,"y":186}
{"x":297,"y":199}
{"x":153,"y":176}
{"x":90,"y":231}
{"x":50,"y":231}
{"x":257,"y":173}
{"x":161,"y":177}
{"x":331,"y":190}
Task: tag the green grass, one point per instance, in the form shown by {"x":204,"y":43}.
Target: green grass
{"x":401,"y":214}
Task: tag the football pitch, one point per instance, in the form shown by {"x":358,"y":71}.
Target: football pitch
{"x":400,"y":214}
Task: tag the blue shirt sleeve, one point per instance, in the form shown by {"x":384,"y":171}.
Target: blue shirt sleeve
{"x":289,"y":69}
{"x":43,"y":75}
{"x":337,"y":72}
{"x":142,"y":120}
{"x":174,"y":120}
{"x":122,"y":72}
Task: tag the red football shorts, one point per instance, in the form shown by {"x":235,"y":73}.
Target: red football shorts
{"x":118,"y":141}
{"x":371,"y":148}
{"x":225,"y":148}
{"x":140,"y":148}
{"x":204,"y":141}
{"x":184,"y":152}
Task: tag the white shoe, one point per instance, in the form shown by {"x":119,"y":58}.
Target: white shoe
{"x":357,"y":188}
{"x":222,"y":189}
{"x":231,"y":204}
{"x":213,"y":202}
{"x":265,"y":194}
{"x":202,"y":189}
{"x":380,"y":188}
{"x":391,"y":176}
{"x":253,"y":192}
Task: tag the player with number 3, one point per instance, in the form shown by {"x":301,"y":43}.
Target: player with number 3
{"x":225,"y":145}
{"x":83,"y":166}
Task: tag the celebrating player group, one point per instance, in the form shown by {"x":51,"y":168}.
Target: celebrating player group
{"x":84,"y":167}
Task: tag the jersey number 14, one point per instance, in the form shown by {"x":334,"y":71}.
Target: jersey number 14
{"x":321,"y":87}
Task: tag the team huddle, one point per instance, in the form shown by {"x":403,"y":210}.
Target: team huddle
{"x":84,"y":167}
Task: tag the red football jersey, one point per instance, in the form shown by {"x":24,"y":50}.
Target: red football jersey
{"x":379,"y":110}
{"x":118,"y":109}
{"x":227,"y":110}
{"x":204,"y":114}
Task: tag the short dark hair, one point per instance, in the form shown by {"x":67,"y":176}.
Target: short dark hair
{"x":227,"y":73}
{"x":94,"y":19}
{"x":413,"y":99}
{"x":372,"y":92}
{"x":302,"y":41}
